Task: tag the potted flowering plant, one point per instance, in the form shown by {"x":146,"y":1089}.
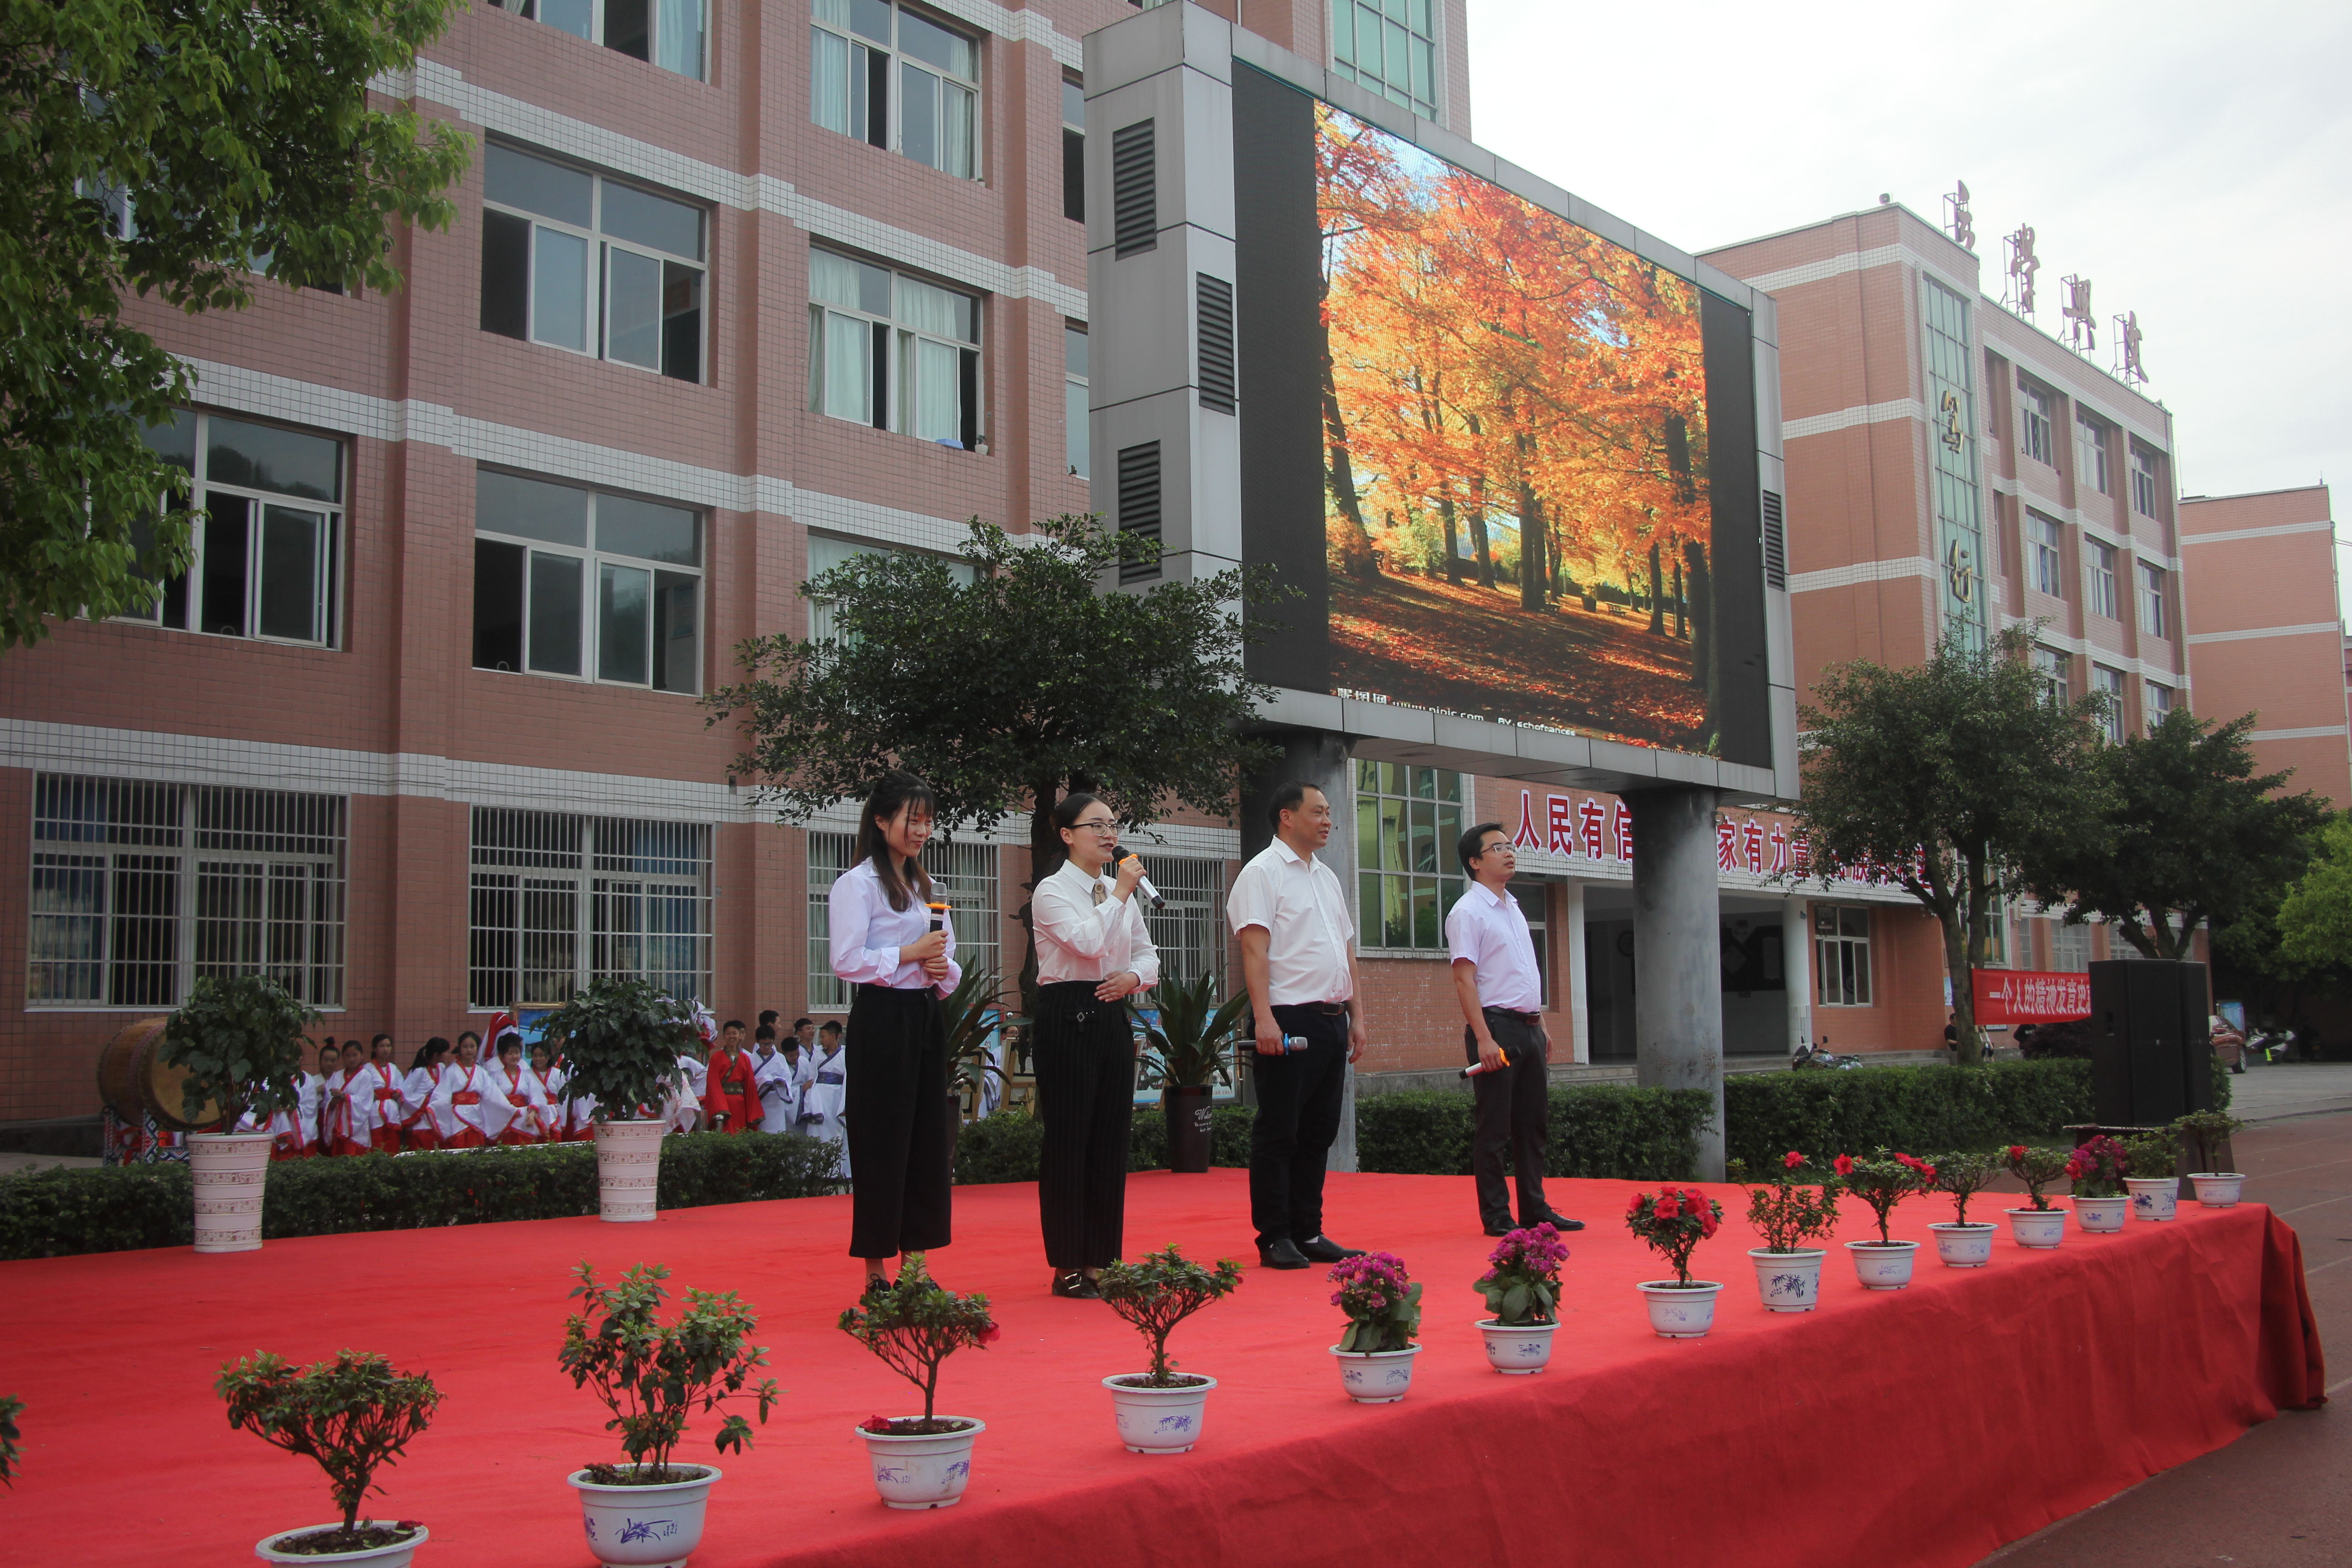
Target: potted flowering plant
{"x":239,"y":1041}
{"x":2096,"y":1168}
{"x":1961,"y":1176}
{"x":1521,"y":1286}
{"x":2037,"y":1226}
{"x":351,"y":1415}
{"x":1376,"y":1349}
{"x":1790,"y":1213}
{"x":1159,"y":1411}
{"x":912,"y":1327}
{"x":653,"y":1375}
{"x":2152,"y":1173}
{"x":621,"y":1039}
{"x":2206,"y":1134}
{"x":1881,"y":1182}
{"x":1673,"y":1221}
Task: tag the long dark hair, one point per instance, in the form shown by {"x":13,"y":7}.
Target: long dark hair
{"x":1066,"y":812}
{"x":894,"y":792}
{"x":431,"y":1051}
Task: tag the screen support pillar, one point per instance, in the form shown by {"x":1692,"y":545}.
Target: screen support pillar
{"x":1797,"y":970}
{"x":1577,"y":1003}
{"x":1677,"y":955}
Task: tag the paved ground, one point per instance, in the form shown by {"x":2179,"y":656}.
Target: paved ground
{"x":10,"y":1164}
{"x":2291,"y":1089}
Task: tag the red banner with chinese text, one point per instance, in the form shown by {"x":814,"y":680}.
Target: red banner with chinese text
{"x":2031,"y":995}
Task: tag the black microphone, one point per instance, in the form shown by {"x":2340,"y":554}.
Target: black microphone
{"x":1142,"y":884}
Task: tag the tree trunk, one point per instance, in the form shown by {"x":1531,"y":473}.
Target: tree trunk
{"x":1339,"y":472}
{"x":1702,"y":609}
{"x":1045,"y":859}
{"x":1453,"y":539}
{"x":1657,"y":594}
{"x":1479,"y":542}
{"x":1956,"y":942}
{"x":1682,"y":605}
{"x":1532,"y":578}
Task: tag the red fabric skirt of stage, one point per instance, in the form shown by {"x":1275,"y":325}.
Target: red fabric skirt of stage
{"x":1921,"y":1428}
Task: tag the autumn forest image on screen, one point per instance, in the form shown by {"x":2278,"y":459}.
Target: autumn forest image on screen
{"x":1515,"y":455}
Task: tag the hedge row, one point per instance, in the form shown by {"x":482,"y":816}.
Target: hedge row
{"x":1921,"y":1109}
{"x":1597,"y":1130}
{"x":1003,"y":1147}
{"x":51,"y":1214}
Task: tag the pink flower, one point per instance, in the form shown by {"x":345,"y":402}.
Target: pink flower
{"x":1844,"y":1164}
{"x":1668,"y":1206}
{"x":1792,"y":1159}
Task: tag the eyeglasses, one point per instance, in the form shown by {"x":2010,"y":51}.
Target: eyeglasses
{"x":1104,"y":824}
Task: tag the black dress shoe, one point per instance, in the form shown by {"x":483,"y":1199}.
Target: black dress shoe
{"x":1283,"y":1254}
{"x":1503,"y":1227}
{"x":1556,"y":1220}
{"x":1076,"y":1287}
{"x":1323,"y":1249}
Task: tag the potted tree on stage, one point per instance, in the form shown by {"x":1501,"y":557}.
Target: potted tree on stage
{"x":2206,"y":1133}
{"x":1383,"y":1306}
{"x":1882,"y":1182}
{"x":652,"y":1377}
{"x":239,"y":1039}
{"x":2152,"y":1162}
{"x":351,"y":1415}
{"x":621,"y":1039}
{"x":1187,"y":1053}
{"x":2101,"y":1205}
{"x":2037,"y":1226}
{"x":1961,"y":1242}
{"x":1521,"y":1286}
{"x":1673,"y":1221}
{"x":1159,"y":1411}
{"x":919,"y":1461}
{"x":1789,"y":1214}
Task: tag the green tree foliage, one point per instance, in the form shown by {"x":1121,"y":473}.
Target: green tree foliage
{"x":2187,"y":833}
{"x":1160,"y":1291}
{"x":240,"y":1040}
{"x":1007,"y":690}
{"x":164,"y":147}
{"x":622,"y":1038}
{"x":1950,"y":778}
{"x":351,"y":1414}
{"x":652,"y":1375}
{"x":2314,"y":920}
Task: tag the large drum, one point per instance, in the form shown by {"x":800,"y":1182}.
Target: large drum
{"x":132,"y":1078}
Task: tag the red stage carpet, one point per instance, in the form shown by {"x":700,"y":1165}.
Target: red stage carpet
{"x":1922,"y":1428}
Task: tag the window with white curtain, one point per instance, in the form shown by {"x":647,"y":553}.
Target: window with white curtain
{"x":2035,"y":431}
{"x":668,"y":33}
{"x":2091,"y":453}
{"x":2151,"y":601}
{"x":2143,"y":480}
{"x":892,"y":350}
{"x":1076,"y":419}
{"x":2050,"y":675}
{"x":2109,"y":684}
{"x":826,"y":552}
{"x":2099,"y":578}
{"x":894,"y":77}
{"x":2042,"y":541}
{"x":2156,"y":703}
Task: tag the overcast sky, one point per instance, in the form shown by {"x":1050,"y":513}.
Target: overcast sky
{"x":2193,"y":161}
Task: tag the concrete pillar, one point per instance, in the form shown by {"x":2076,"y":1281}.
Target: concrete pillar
{"x":1797,"y":970}
{"x":1577,"y":1000}
{"x":1677,"y":955}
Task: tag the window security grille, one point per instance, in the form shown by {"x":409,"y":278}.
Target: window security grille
{"x":1216,"y":301}
{"x":1138,"y":504}
{"x":964,"y":874}
{"x":1189,"y":929}
{"x":559,"y":901}
{"x":1134,"y":189}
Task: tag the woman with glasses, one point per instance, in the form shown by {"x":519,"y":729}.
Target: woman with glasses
{"x":1093,"y":953}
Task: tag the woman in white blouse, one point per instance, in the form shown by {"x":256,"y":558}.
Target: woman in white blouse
{"x":901,"y":955}
{"x":1093,"y":952}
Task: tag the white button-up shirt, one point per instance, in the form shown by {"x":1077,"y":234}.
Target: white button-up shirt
{"x":867,"y":933}
{"x":1490,"y":930}
{"x":1078,"y":939}
{"x":1303,"y":911}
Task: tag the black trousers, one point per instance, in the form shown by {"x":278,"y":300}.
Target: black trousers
{"x":1085,"y":1056}
{"x":1514,"y":1118}
{"x":895,"y":1106}
{"x":1298,"y":1100}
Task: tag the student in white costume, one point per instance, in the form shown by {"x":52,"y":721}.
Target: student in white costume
{"x":523,"y":1091}
{"x":467,"y":1104}
{"x":827,"y":1092}
{"x":378,"y":1097}
{"x":780,"y":1098}
{"x":419,"y":1131}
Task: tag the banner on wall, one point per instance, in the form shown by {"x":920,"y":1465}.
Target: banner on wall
{"x":2031,"y":995}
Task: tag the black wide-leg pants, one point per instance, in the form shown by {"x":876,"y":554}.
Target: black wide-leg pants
{"x":1298,"y":1102}
{"x":1514,"y":1118}
{"x":1085,"y":1054}
{"x":896,"y":1105}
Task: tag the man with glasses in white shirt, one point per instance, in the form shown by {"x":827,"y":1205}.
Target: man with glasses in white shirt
{"x":1299,"y":959}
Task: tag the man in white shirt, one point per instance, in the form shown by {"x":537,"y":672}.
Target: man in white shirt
{"x":1299,"y":959}
{"x":1501,"y":994}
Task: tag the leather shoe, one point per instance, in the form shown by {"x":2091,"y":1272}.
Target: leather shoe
{"x":1283,"y":1254}
{"x":1075,"y":1286}
{"x":1556,"y":1220}
{"x":1323,"y":1249}
{"x":1503,"y":1227}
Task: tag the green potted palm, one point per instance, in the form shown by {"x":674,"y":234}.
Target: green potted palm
{"x":351,"y":1415}
{"x":239,"y":1041}
{"x":621,"y":1039}
{"x":970,"y":1014}
{"x":1188,"y":1037}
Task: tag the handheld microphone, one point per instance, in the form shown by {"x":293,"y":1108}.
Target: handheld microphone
{"x":1143,"y":885}
{"x":1482,"y":1066}
{"x":938,"y":915}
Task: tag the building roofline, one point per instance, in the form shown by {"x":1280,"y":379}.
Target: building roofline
{"x":2257,"y":495}
{"x":1933,"y":228}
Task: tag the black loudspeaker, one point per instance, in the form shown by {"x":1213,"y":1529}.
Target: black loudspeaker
{"x":2151,"y":1052}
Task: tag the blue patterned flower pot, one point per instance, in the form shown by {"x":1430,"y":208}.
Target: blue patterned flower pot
{"x":1158,"y":1420}
{"x":1376,"y":1377}
{"x":923,"y":1469}
{"x":645,"y":1527}
{"x":1517,"y":1348}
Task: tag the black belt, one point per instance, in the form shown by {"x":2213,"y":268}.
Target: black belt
{"x":1334,"y":1009}
{"x":1514,"y":1013}
{"x":1062,"y":985}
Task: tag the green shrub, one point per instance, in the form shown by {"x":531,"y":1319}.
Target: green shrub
{"x":1004,"y":1147}
{"x":1907,"y":1107}
{"x":1597,"y":1130}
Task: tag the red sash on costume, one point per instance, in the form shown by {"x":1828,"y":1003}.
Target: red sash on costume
{"x":465,"y":1096}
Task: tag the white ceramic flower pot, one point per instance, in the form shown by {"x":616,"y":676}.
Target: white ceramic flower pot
{"x":2218,"y":1189}
{"x":1376,"y":1377}
{"x":2101,"y":1217}
{"x":645,"y":1527}
{"x":1789,"y":1282}
{"x":1678,"y":1311}
{"x":1159,"y":1420}
{"x":929,"y":1471}
{"x":229,"y":1169}
{"x":1964,"y":1246}
{"x":2040,"y":1229}
{"x":395,"y":1555}
{"x":2154,"y":1197}
{"x":1883,"y":1265}
{"x":628,"y":1167}
{"x":1517,"y":1348}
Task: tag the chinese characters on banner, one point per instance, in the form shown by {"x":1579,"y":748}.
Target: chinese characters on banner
{"x":1575,"y":826}
{"x":2030,"y":995}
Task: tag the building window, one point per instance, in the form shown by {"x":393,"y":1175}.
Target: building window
{"x":2050,"y":675}
{"x":2034,"y":429}
{"x":2109,"y":684}
{"x":893,"y":352}
{"x":138,"y":889}
{"x":1959,"y":541}
{"x":1842,"y":954}
{"x":268,"y":554}
{"x":668,"y":33}
{"x":872,"y":57}
{"x":1189,"y":929}
{"x":559,"y":901}
{"x":2043,"y":566}
{"x":2091,"y":453}
{"x":582,"y":262}
{"x":1077,"y":432}
{"x":592,"y":587}
{"x":2143,"y":480}
{"x":2099,"y":578}
{"x":1408,"y":822}
{"x":1074,"y":150}
{"x":2151,"y":601}
{"x":2156,"y":702}
{"x":964,"y":874}
{"x":2069,"y":947}
{"x":824,"y":553}
{"x":1390,"y":47}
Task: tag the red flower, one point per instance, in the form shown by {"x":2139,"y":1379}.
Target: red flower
{"x":1926,"y":1169}
{"x":1635,"y":1205}
{"x":988,"y":1335}
{"x":1792,"y":1159}
{"x":1667,"y":1207}
{"x":2016,"y":1151}
{"x":1844,"y":1164}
